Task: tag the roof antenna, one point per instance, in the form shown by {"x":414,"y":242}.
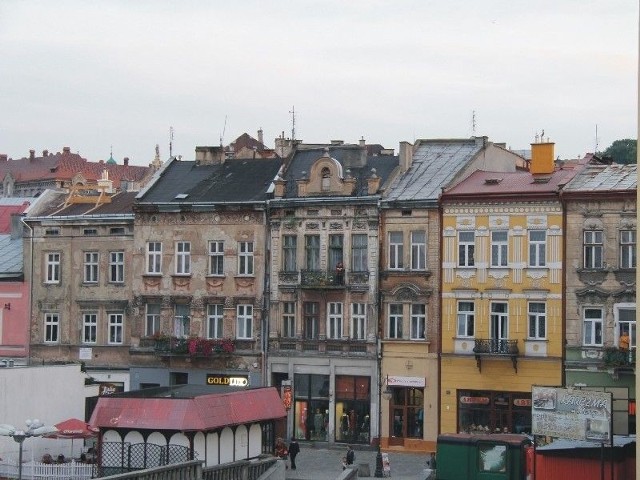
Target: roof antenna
{"x":170,"y":142}
{"x":473,"y":122}
{"x":224,"y":129}
{"x":596,"y":149}
{"x":293,"y":123}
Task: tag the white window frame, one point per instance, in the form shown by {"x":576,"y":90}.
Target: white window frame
{"x":181,"y":320}
{"x":53,"y":267}
{"x":183,"y":258}
{"x":590,"y":327}
{"x":89,"y":328}
{"x":152,"y":319}
{"x":418,"y":321}
{"x":215,"y":320}
{"x":216,"y":258}
{"x":245,"y":258}
{"x":359,"y":321}
{"x":116,"y":266}
{"x":51,"y":327}
{"x":537,"y":249}
{"x":465,"y":319}
{"x":418,"y":250}
{"x":244,"y":323}
{"x":627,"y":249}
{"x":289,"y":319}
{"x":396,"y":251}
{"x":396,"y":318}
{"x":335,"y":318}
{"x":466,"y":248}
{"x":154,"y":258}
{"x":91,"y":267}
{"x":116,"y":328}
{"x":593,"y":249}
{"x":628,"y":325}
{"x":499,"y":248}
{"x":537,"y":321}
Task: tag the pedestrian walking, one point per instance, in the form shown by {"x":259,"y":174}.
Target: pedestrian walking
{"x":294,"y":450}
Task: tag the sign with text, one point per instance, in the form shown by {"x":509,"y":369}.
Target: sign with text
{"x":396,"y":381}
{"x":571,"y":414}
{"x":228,"y":380}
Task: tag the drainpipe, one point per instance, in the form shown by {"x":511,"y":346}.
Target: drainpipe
{"x":439,"y":341}
{"x":563,"y":290}
{"x":28,"y":344}
{"x":266,"y":300}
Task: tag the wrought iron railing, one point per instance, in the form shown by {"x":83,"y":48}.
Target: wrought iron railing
{"x":495,"y":346}
{"x":193,"y":346}
{"x":617,"y":357}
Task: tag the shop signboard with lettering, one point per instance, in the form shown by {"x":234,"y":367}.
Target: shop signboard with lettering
{"x":571,"y":414}
{"x":228,"y":380}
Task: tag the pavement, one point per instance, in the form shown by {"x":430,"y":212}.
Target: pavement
{"x":322,"y":463}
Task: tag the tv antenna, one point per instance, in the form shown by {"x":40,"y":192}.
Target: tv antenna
{"x":224,"y":129}
{"x":293,"y":123}
{"x":596,"y":149}
{"x":170,"y":142}
{"x":473,"y":122}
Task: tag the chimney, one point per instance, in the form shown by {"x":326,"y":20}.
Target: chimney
{"x":126,"y":161}
{"x":542,"y":158}
{"x":45,"y":153}
{"x":406,"y":156}
{"x":66,"y":150}
{"x":362,"y":142}
{"x":260,"y":138}
{"x":337,"y":142}
{"x":16,"y":226}
{"x":210,"y":155}
{"x":3,"y":157}
{"x":373,"y":182}
{"x":32,"y":154}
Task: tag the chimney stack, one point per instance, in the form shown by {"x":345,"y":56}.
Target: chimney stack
{"x":542,"y":161}
{"x":362,"y":142}
{"x":3,"y":157}
{"x":260,"y":137}
{"x":66,"y":150}
{"x":45,"y":153}
{"x":32,"y":154}
{"x":406,"y":156}
{"x":126,"y":161}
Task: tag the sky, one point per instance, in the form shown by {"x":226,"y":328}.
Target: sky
{"x":117,"y":75}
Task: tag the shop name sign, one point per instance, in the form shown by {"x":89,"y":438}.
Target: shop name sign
{"x":228,"y":380}
{"x":395,"y":381}
{"x":571,"y":414}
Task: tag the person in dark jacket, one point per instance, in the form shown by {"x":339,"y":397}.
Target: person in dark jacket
{"x":294,"y":450}
{"x":351,"y":455}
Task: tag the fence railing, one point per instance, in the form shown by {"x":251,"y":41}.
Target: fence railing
{"x":178,"y":471}
{"x":67,"y":471}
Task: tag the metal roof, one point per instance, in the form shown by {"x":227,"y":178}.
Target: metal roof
{"x":10,"y":256}
{"x":604,"y":178}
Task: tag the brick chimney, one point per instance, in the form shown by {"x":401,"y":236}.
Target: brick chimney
{"x":66,"y":150}
{"x":542,"y":162}
{"x":406,"y":156}
{"x":45,"y":153}
{"x":32,"y":154}
{"x":3,"y":157}
{"x":126,"y":161}
{"x":210,"y":155}
{"x":260,"y":136}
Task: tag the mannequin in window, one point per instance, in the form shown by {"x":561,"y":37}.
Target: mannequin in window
{"x":318,"y":422}
{"x":344,"y":424}
{"x":340,"y":273}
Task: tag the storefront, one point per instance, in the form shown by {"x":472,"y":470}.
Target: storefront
{"x":490,"y":411}
{"x":406,"y":407}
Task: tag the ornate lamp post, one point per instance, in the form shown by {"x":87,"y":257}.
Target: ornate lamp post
{"x":379,"y":469}
{"x":35,"y":428}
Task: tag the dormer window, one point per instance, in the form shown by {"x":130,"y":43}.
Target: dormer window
{"x":326,"y":179}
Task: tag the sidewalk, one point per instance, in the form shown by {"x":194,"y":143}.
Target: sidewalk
{"x":321,"y":463}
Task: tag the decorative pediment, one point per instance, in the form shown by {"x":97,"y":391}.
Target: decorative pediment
{"x":592,"y":295}
{"x":408,"y":291}
{"x":326,"y":177}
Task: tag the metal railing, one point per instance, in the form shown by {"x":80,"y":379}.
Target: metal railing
{"x":495,"y":346}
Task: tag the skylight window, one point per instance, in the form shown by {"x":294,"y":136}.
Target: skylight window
{"x":181,"y":196}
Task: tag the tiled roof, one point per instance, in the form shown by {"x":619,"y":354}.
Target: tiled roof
{"x":604,"y":178}
{"x":246,"y":141}
{"x":200,"y":413}
{"x":300,"y":165}
{"x":236,"y":180}
{"x":434,"y":165}
{"x":65,"y":165}
{"x":10,"y":206}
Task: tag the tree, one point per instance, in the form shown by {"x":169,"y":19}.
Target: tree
{"x":622,"y":151}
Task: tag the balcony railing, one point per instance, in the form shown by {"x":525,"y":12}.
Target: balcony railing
{"x":332,"y":279}
{"x":193,"y":346}
{"x":494,"y":347}
{"x":618,"y":358}
{"x":345,"y":346}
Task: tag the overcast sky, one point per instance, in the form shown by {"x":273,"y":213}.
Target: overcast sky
{"x":95,"y":74}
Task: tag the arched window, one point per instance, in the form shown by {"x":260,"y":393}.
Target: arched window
{"x":326,"y":179}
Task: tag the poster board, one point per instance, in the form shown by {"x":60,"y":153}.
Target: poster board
{"x":386,"y":465}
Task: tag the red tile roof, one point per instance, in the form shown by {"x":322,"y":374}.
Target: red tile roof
{"x":5,"y":215}
{"x":201,"y":413}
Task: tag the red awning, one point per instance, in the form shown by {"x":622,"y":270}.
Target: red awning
{"x":201,"y":413}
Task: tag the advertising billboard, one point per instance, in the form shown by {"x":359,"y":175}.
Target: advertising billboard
{"x":571,"y":414}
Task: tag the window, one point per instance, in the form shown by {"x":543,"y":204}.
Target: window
{"x":116,"y":267}
{"x":466,"y":319}
{"x":418,"y":250}
{"x":311,"y":320}
{"x":289,"y":253}
{"x":395,"y":251}
{"x":245,"y":258}
{"x":289,"y":320}
{"x":592,"y":326}
{"x":91,"y":267}
{"x":335,"y":251}
{"x":628,"y":249}
{"x":499,"y":325}
{"x":51,"y":328}
{"x":326,"y":179}
{"x":395,"y":320}
{"x":593,"y":249}
{"x":117,"y":231}
{"x":245,"y":321}
{"x":53,"y":268}
{"x":334,"y":320}
{"x":499,"y":244}
{"x":537,"y":248}
{"x":154,"y":257}
{"x":152,"y":320}
{"x":89,"y":327}
{"x":359,"y":321}
{"x":52,"y":231}
{"x":537,"y":320}
{"x":466,"y":249}
{"x":627,"y":323}
{"x":216,"y":258}
{"x":116,"y":326}
{"x":183,"y":258}
{"x":418,"y":321}
{"x":89,"y":231}
{"x":312,"y":252}
{"x":181,"y":320}
{"x":359,"y":245}
{"x":215,"y":318}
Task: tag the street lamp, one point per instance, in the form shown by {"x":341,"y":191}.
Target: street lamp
{"x":35,"y":428}
{"x":379,"y":469}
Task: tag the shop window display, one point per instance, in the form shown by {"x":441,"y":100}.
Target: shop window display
{"x":353,"y":423}
{"x":311,"y":409}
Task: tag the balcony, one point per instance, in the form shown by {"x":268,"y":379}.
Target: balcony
{"x":192,"y":346}
{"x":619,"y":358}
{"x":494,"y":347}
{"x":288,"y":346}
{"x":326,"y":279}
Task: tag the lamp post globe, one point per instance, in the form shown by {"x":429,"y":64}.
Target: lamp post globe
{"x":35,"y":428}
